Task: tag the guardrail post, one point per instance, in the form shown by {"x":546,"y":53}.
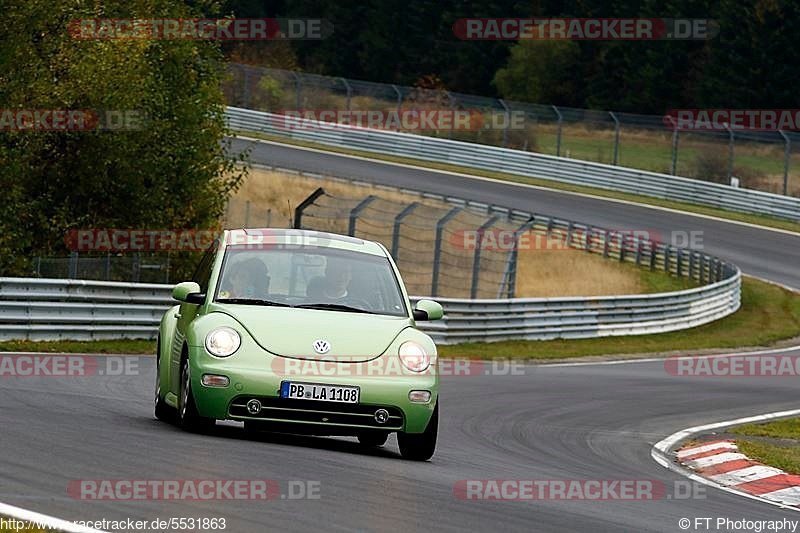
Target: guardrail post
{"x":653,"y":254}
{"x":351,"y":227}
{"x":667,"y":251}
{"x":638,"y":243}
{"x":787,"y":155}
{"x":137,"y":267}
{"x":476,"y":259}
{"x":621,"y":247}
{"x":606,"y":237}
{"x":568,"y":240}
{"x":679,"y":262}
{"x":691,"y":264}
{"x":616,"y":137}
{"x":437,"y":248}
{"x":587,"y":245}
{"x":396,"y":230}
{"x":558,"y":135}
{"x":298,"y":211}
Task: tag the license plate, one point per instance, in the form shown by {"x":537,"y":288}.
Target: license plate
{"x":316,"y":391}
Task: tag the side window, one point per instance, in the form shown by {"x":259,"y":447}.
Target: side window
{"x":203,"y":272}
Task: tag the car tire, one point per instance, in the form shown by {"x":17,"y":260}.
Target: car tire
{"x":188,"y":417}
{"x":420,"y":446}
{"x":162,"y":410}
{"x":373,"y":439}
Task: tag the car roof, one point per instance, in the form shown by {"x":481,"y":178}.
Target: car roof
{"x":301,"y":237}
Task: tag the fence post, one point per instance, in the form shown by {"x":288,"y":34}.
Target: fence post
{"x":399,"y":97}
{"x":653,"y":253}
{"x":349,"y":92}
{"x":297,"y":97}
{"x":508,"y":121}
{"x":73,"y":265}
{"x":666,"y":258}
{"x":621,"y":247}
{"x":396,"y":229}
{"x":730,"y":150}
{"x":137,"y":267}
{"x":616,"y":137}
{"x":558,"y":135}
{"x":437,"y":248}
{"x":514,"y":255}
{"x":298,"y":211}
{"x":351,"y":227}
{"x":787,"y":154}
{"x":674,"y":163}
{"x":476,"y":259}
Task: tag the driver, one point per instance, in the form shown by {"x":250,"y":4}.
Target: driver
{"x":247,"y":279}
{"x":338,"y":275}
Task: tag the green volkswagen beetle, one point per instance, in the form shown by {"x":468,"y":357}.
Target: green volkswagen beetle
{"x":301,"y":332}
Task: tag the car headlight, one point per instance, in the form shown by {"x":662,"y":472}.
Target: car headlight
{"x":414,"y":357}
{"x":223,"y":342}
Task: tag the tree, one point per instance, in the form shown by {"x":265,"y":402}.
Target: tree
{"x":173,"y":170}
{"x":544,"y":72}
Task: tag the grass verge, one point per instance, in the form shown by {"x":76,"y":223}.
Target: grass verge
{"x":769,"y":314}
{"x":774,"y":443}
{"x":761,"y":220}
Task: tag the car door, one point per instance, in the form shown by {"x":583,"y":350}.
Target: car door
{"x":186,"y":314}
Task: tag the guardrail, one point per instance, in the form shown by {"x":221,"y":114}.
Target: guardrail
{"x":517,"y":162}
{"x":52,"y":309}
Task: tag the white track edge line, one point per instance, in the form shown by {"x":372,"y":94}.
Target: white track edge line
{"x":44,"y":520}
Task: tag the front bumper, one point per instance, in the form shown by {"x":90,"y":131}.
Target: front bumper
{"x":256,"y":374}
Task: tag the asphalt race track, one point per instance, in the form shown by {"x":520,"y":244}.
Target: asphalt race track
{"x":585,"y":422}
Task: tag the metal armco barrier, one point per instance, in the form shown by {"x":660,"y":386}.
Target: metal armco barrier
{"x":50,"y":309}
{"x":517,"y":162}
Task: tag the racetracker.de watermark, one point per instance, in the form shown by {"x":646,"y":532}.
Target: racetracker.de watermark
{"x":411,"y":119}
{"x":576,"y":489}
{"x":734,"y":366}
{"x":38,"y":120}
{"x":732,"y":119}
{"x":225,"y":29}
{"x":122,"y":240}
{"x":506,"y":240}
{"x":392,"y":366}
{"x":584,"y":29}
{"x":67,"y":365}
{"x":193,"y":489}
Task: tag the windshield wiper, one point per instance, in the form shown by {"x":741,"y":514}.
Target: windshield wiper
{"x":251,"y":301}
{"x":334,"y":307}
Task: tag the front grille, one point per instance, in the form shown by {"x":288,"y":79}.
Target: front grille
{"x":314,"y":412}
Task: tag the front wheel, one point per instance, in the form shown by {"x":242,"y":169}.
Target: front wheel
{"x":162,"y":410}
{"x":188,"y":417}
{"x":420,"y":446}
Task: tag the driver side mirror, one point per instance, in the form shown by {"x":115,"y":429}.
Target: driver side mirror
{"x":428,"y":310}
{"x":188,"y":292}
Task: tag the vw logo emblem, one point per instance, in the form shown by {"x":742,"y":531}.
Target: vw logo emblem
{"x":321,"y":346}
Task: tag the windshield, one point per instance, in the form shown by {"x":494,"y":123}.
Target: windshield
{"x":310,"y":277}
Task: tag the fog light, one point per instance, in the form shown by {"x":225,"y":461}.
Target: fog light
{"x":253,"y":407}
{"x":420,"y":396}
{"x":213,"y":380}
{"x":381,"y":416}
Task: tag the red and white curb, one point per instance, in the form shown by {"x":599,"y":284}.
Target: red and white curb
{"x":720,"y":464}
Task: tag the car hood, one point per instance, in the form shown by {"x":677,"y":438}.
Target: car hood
{"x":287,"y":332}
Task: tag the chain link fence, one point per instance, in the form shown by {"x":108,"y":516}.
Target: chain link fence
{"x":765,"y":161}
{"x":426,"y":241}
